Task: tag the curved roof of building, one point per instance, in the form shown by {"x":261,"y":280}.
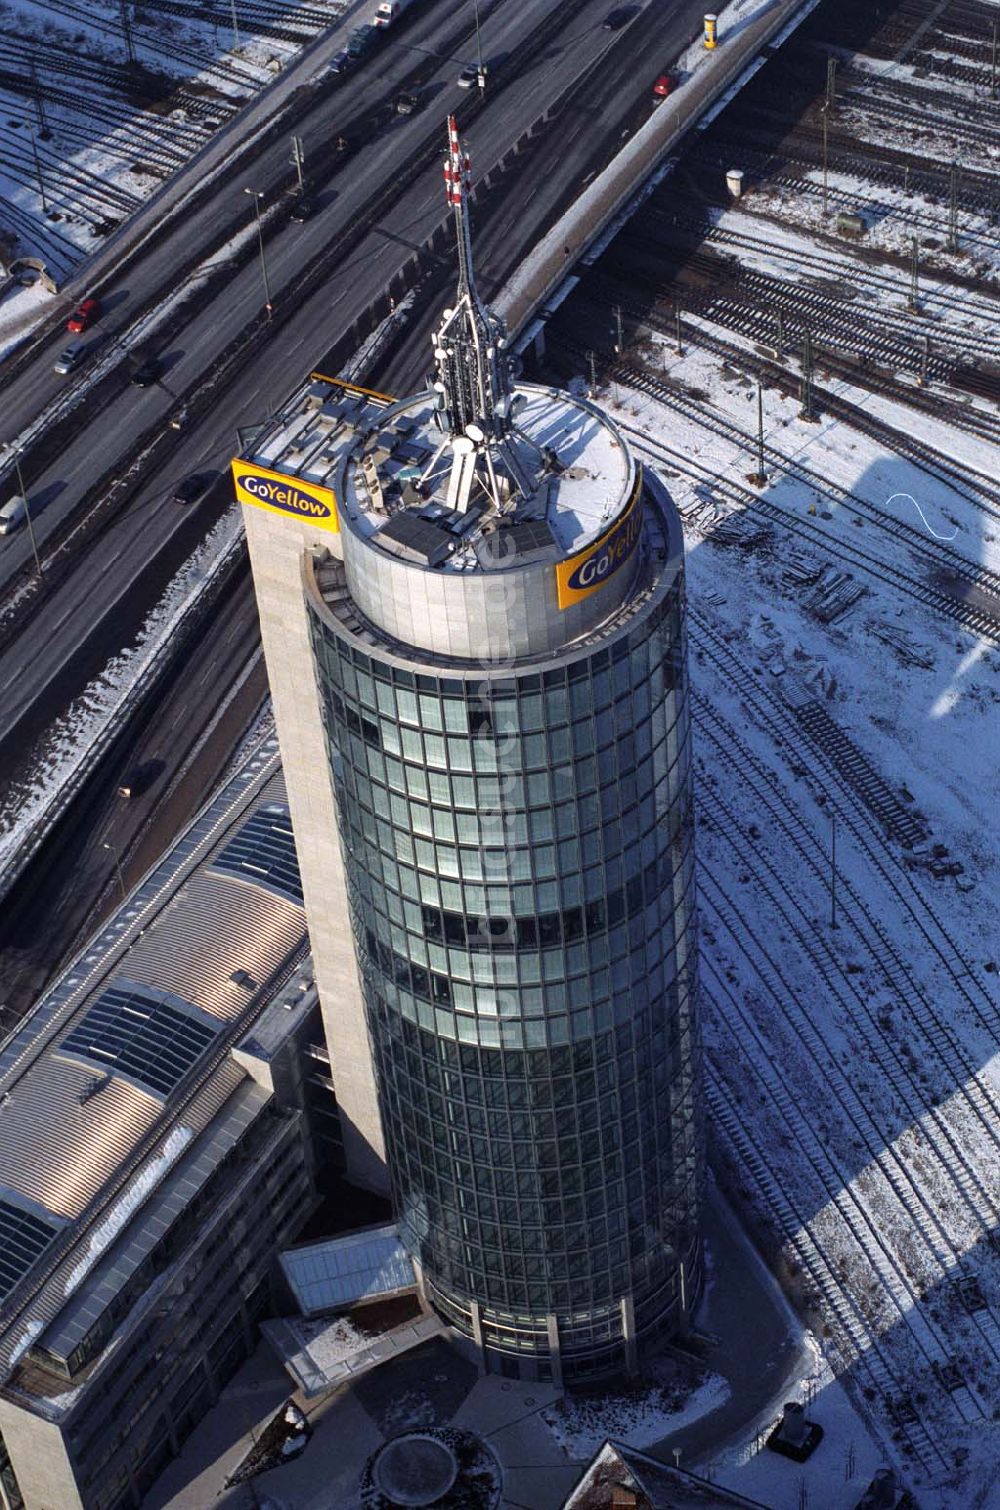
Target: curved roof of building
{"x":126,"y":1058}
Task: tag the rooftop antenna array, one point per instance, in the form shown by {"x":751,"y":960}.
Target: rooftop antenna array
{"x":473,"y":377}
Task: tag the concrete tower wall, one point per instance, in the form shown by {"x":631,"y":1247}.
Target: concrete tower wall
{"x":455,"y":614}
{"x":512,"y":607}
{"x":277,"y":546}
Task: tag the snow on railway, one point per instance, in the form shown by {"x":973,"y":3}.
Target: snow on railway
{"x":854,"y":1073}
{"x":844,"y":632}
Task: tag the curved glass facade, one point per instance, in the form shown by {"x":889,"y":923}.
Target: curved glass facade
{"x":519,"y":854}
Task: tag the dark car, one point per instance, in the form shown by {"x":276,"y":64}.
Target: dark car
{"x":140,"y":778}
{"x":147,"y":372}
{"x":620,"y":16}
{"x":341,"y":62}
{"x":362,"y":40}
{"x":303,"y":208}
{"x":189,"y":488}
{"x":406,"y":104}
{"x":84,"y":316}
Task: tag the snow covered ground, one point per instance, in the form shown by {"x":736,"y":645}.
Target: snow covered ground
{"x":858,"y":1064}
{"x":582,"y":1423}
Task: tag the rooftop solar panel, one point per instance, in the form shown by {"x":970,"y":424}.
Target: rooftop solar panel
{"x":264,"y":852}
{"x":23,"y":1237}
{"x":133,"y":1032}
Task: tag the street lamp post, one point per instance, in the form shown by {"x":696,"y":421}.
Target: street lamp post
{"x":480,"y":71}
{"x":257,"y":196}
{"x":15,"y":451}
{"x":38,"y":169}
{"x":118,"y":867}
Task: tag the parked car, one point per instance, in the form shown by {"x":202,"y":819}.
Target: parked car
{"x":84,"y":316}
{"x":341,"y":62}
{"x":619,"y":17}
{"x":190,"y":488}
{"x":70,"y":359}
{"x":146,"y":374}
{"x":303,"y":208}
{"x":663,"y":86}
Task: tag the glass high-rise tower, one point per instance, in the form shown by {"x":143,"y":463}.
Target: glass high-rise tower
{"x":473,"y":612}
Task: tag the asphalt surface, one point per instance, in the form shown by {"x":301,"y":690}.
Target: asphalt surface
{"x":106,"y":843}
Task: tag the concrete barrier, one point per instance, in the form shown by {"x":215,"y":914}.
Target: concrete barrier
{"x":628,"y":175}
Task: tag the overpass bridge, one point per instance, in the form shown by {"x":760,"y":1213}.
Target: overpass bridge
{"x":743,"y":46}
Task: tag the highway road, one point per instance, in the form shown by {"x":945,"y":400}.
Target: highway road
{"x":106,"y":842}
{"x":98,"y":605}
{"x":118,"y":572}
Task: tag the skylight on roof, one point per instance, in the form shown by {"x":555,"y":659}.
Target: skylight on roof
{"x":263,"y":851}
{"x":131,"y":1031}
{"x":23,"y":1238}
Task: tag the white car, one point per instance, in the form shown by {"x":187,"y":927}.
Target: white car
{"x":71,"y":358}
{"x":470,"y":77}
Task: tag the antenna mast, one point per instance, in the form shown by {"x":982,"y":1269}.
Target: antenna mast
{"x":473,"y":371}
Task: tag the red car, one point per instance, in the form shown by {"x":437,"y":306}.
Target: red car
{"x":84,"y":316}
{"x":662,"y":87}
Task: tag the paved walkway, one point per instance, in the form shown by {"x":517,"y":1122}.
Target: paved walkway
{"x":436,"y":1384}
{"x":760,"y":1345}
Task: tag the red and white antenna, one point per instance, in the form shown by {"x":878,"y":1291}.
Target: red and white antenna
{"x":457,"y":168}
{"x":473,"y":371}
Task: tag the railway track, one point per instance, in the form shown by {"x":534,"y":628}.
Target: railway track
{"x":851,"y":1341}
{"x":877,"y":282}
{"x":775,"y":718}
{"x":958,"y":1070}
{"x":922,"y":1228}
{"x":890,"y":167}
{"x":981,"y":495}
{"x":885,"y":572}
{"x":938,"y":557}
{"x":871,"y":936}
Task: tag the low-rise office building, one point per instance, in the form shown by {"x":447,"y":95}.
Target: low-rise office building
{"x":159,"y":1112}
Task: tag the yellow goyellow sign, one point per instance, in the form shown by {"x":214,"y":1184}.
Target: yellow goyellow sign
{"x":285,"y":495}
{"x":583,"y":574}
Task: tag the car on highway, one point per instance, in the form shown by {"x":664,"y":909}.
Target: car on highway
{"x":663,"y":86}
{"x":619,"y":17}
{"x":84,"y":316}
{"x":469,"y":77}
{"x":140,"y":778}
{"x":406,"y":103}
{"x":303,"y":208}
{"x":70,"y":359}
{"x":13,"y":514}
{"x":190,"y":488}
{"x":147,"y":372}
{"x":362,"y":41}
